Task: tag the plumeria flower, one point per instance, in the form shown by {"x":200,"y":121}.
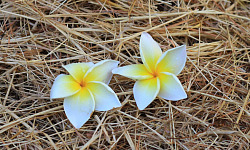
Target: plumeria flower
{"x":157,"y":75}
{"x":85,"y":89}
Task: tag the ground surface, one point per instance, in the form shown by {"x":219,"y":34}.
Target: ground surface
{"x":38,"y":37}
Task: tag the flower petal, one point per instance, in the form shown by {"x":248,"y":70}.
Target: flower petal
{"x":145,"y":91}
{"x":63,"y":86}
{"x":173,"y":60}
{"x":101,"y":71}
{"x":150,"y":51}
{"x":136,"y":71}
{"x":105,"y":97}
{"x":171,"y":88}
{"x":79,"y":107}
{"x":78,"y":70}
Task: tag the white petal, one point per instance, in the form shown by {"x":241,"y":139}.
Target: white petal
{"x":78,"y":70}
{"x":171,"y":88}
{"x":101,"y":71}
{"x":63,"y":86}
{"x":105,"y":97}
{"x":173,"y":60}
{"x":150,"y":51}
{"x":145,"y":91}
{"x":136,"y":71}
{"x":79,"y":107}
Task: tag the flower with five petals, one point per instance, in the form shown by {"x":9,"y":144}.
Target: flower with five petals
{"x":157,"y":75}
{"x":85,"y":89}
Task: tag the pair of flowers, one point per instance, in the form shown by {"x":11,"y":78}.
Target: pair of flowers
{"x":86,"y":88}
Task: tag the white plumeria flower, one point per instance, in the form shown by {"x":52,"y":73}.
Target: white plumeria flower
{"x":157,"y":75}
{"x":85,"y":90}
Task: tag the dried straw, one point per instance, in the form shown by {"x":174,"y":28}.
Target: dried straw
{"x":38,"y":37}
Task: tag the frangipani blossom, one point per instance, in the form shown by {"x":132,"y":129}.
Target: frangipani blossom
{"x":157,"y":75}
{"x":85,"y":89}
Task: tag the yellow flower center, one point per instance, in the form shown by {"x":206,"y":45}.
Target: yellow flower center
{"x":83,"y":84}
{"x":155,"y":74}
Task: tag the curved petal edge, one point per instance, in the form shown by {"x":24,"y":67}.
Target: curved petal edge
{"x":150,"y":51}
{"x":79,"y":107}
{"x":105,"y":97}
{"x":63,"y":86}
{"x":78,"y":70}
{"x":173,"y":60}
{"x":145,"y":91}
{"x":136,"y":72}
{"x":171,"y":88}
{"x":101,"y":71}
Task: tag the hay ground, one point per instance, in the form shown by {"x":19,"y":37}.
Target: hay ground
{"x":38,"y":37}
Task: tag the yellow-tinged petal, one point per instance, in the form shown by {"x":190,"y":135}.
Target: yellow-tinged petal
{"x":171,"y":88}
{"x":150,"y":51}
{"x":79,"y":107}
{"x":78,"y":70}
{"x":173,"y":60}
{"x":136,"y":71}
{"x":101,"y":71}
{"x":145,"y":91}
{"x":105,"y":97}
{"x":63,"y":86}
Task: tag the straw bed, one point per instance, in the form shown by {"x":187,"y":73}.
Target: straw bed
{"x":38,"y":37}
